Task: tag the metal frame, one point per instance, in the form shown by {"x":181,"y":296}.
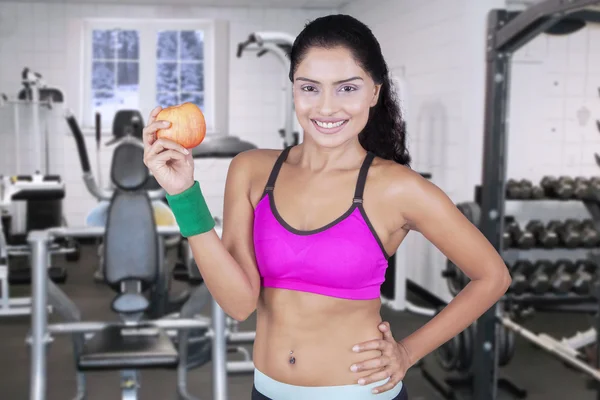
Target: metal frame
{"x":507,"y":32}
{"x":9,"y":306}
{"x":41,"y":330}
{"x":272,"y":42}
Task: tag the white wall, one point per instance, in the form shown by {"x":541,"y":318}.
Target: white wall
{"x":37,"y":35}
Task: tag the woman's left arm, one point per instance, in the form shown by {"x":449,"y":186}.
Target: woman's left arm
{"x":428,"y":210}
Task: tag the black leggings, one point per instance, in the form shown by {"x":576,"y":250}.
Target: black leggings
{"x":256,"y":395}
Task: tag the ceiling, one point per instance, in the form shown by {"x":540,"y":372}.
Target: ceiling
{"x":314,"y":4}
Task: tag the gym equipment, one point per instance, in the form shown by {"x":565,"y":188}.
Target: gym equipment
{"x":455,"y":278}
{"x":581,"y":189}
{"x":29,"y":202}
{"x":279,"y":44}
{"x":457,"y":356}
{"x":133,"y":268}
{"x":519,"y":238}
{"x":522,"y":190}
{"x":162,"y":303}
{"x":584,"y":275}
{"x":31,"y":197}
{"x":567,"y":232}
{"x":29,"y":194}
{"x":561,"y":188}
{"x":507,"y":31}
{"x":8,"y":305}
{"x":590,"y":237}
{"x":543,"y":237}
{"x":127,"y":125}
{"x":562,"y":350}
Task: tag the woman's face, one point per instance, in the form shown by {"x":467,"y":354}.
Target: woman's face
{"x":332,"y":96}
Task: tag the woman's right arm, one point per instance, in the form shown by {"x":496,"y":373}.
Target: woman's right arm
{"x":228,"y":266}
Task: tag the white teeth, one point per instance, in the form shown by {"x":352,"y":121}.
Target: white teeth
{"x":329,"y":125}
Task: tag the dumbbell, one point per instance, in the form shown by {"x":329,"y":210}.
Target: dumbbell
{"x":581,"y":188}
{"x":539,"y":281}
{"x":514,"y":190}
{"x":583,"y":277}
{"x":590,"y":237}
{"x":561,"y":188}
{"x":561,"y":280}
{"x":567,"y":232}
{"x":544,"y":237}
{"x":507,"y":242}
{"x":523,"y":189}
{"x":530,"y":191}
{"x":520,"y":272}
{"x":593,"y":184}
{"x":519,"y":238}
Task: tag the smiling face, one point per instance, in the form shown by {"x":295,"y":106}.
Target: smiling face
{"x":332,"y":96}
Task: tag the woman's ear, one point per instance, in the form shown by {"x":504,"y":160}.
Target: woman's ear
{"x":376,"y":92}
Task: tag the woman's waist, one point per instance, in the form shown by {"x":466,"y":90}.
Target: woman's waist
{"x":318,"y":357}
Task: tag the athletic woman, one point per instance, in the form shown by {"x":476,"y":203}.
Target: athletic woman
{"x":307,"y":231}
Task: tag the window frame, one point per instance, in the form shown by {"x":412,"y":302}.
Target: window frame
{"x":216,"y":50}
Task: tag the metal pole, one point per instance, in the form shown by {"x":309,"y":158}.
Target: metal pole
{"x":39,"y":314}
{"x":288,"y":139}
{"x":37,"y":135}
{"x":240,"y":367}
{"x":17,"y":136}
{"x":219,"y":353}
{"x":492,"y":199}
{"x":242,"y":337}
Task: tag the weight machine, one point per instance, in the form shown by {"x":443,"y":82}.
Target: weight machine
{"x":280,"y":45}
{"x":508,"y":31}
{"x":29,"y":202}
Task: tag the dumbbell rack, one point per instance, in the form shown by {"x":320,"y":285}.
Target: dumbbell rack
{"x":507,"y":32}
{"x":456,"y":356}
{"x":586,"y":302}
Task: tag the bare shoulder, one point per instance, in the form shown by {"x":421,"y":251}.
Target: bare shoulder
{"x":404,"y":192}
{"x":254,"y":160}
{"x":254,"y":166}
{"x":396,"y":179}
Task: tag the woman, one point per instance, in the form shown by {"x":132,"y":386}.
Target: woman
{"x":308,"y":231}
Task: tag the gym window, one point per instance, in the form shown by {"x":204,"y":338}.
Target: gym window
{"x":141,"y":64}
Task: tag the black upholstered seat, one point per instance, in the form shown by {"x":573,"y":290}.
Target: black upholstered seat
{"x":120,"y":347}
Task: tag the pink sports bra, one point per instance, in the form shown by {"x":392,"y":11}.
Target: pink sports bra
{"x":343,"y":259}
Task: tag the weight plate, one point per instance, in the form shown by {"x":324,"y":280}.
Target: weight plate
{"x":468,"y":344}
{"x":455,"y":278}
{"x":447,"y":354}
{"x":501,"y":343}
{"x":508,"y":351}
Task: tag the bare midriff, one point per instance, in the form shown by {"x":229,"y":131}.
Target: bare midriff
{"x":318,"y":332}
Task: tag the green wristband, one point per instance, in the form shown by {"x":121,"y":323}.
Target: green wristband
{"x":191,"y":212}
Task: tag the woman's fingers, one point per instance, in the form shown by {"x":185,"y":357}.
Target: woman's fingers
{"x":153,"y":114}
{"x":169,"y":155}
{"x":149,"y":132}
{"x":161,"y":146}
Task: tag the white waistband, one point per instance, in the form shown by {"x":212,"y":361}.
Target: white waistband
{"x":282,"y":391}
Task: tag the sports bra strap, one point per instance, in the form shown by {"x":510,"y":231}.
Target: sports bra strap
{"x":362,"y":178}
{"x":275,"y":171}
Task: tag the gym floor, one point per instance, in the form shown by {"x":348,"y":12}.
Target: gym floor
{"x":543,"y":376}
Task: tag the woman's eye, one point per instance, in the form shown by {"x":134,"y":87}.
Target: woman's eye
{"x":348,"y":89}
{"x":309,"y":88}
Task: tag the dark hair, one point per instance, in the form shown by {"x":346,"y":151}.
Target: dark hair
{"x":385,"y":132}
